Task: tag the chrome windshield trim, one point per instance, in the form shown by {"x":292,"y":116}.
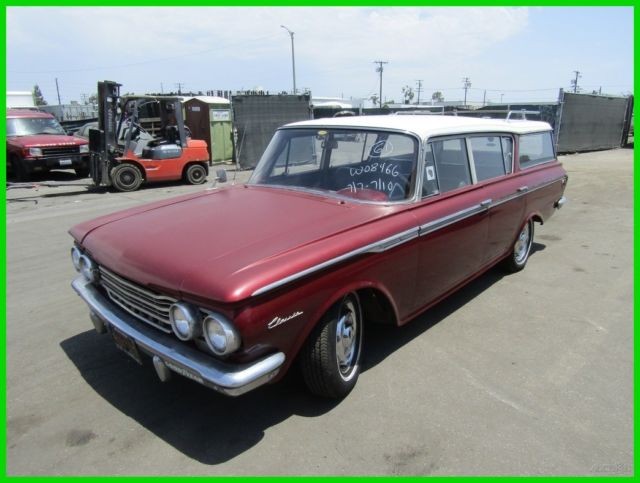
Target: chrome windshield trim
{"x":331,"y":195}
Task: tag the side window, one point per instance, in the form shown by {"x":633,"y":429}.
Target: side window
{"x":535,"y":149}
{"x":452,"y":163}
{"x":487,"y":157}
{"x":299,"y":155}
{"x":429,"y":181}
{"x":507,"y":153}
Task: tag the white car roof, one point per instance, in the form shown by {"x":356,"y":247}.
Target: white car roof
{"x":426,"y":126}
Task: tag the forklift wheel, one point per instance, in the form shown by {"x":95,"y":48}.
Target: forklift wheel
{"x":196,"y":174}
{"x":126,"y":177}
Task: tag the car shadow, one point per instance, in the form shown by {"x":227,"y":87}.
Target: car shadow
{"x":206,"y":426}
{"x":212,"y":428}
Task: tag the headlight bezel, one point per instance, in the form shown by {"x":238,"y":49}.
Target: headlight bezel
{"x":192,"y":317}
{"x":89,"y":269}
{"x":75,"y":257}
{"x":227,"y":331}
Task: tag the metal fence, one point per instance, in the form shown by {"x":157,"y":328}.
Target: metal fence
{"x":256,"y":118}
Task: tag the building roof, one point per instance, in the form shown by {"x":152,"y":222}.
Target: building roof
{"x":208,"y":99}
{"x":426,"y":126}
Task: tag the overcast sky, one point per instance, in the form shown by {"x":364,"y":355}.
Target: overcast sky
{"x":518,"y":54}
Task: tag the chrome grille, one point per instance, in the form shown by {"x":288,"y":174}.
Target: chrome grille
{"x":148,"y":306}
{"x":60,"y":151}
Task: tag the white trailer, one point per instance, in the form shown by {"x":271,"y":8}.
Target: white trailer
{"x":20,"y":99}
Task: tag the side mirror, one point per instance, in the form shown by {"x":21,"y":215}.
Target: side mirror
{"x":221,"y":175}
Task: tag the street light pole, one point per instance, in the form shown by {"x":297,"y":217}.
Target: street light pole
{"x":293,"y":58}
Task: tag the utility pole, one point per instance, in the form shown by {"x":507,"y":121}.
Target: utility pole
{"x":58,"y":91}
{"x":380,"y":69}
{"x":574,"y":82}
{"x":179,"y":86}
{"x":419,"y":89}
{"x":161,"y":88}
{"x":484,"y":98}
{"x":293,"y":59}
{"x":501,"y":96}
{"x":466,"y":83}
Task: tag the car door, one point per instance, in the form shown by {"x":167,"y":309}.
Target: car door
{"x":453,"y":219}
{"x":492,"y":158}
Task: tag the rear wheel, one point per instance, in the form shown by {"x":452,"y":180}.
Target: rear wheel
{"x":195,"y":174}
{"x":521,"y":249}
{"x":126,"y":177}
{"x":330,"y":360}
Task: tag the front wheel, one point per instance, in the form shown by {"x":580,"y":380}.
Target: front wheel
{"x":126,"y":177}
{"x":195,"y":174}
{"x":330,"y":360}
{"x":521,"y":249}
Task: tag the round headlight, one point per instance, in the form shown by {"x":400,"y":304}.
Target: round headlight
{"x":88,"y":268}
{"x":185,"y":321}
{"x":75,"y":258}
{"x":221,"y":336}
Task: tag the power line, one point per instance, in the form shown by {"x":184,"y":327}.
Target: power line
{"x":466,"y":83}
{"x":380,"y":69}
{"x":574,"y":82}
{"x":419,"y":89}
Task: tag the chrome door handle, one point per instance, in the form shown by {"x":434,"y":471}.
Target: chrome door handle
{"x":522,"y":189}
{"x":486,"y":203}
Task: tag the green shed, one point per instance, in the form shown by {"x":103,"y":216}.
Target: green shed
{"x":209,"y":119}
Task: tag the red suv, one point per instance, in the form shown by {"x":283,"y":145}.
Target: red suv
{"x":36,"y":142}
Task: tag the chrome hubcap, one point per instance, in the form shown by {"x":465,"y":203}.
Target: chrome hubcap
{"x":347,"y":337}
{"x":521,"y":249}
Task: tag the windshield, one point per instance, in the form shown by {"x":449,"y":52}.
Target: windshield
{"x":364,"y":164}
{"x":26,"y":126}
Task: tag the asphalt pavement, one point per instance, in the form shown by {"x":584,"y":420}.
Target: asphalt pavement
{"x":525,"y":374}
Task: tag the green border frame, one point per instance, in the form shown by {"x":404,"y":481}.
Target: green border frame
{"x":301,"y":3}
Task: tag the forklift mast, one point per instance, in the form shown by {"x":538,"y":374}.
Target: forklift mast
{"x":102,"y":142}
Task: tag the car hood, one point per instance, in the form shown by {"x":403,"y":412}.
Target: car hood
{"x":223,"y":245}
{"x":39,"y":140}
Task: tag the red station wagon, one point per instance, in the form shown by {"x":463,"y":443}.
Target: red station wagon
{"x":345,"y":222}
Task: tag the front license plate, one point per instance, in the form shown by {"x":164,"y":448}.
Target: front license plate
{"x":126,"y":344}
{"x":66,"y":162}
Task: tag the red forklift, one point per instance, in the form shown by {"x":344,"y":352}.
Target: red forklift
{"x":124,"y":154}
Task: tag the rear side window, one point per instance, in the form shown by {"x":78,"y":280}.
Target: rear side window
{"x":487,"y":157}
{"x":452,"y":163}
{"x":535,"y":149}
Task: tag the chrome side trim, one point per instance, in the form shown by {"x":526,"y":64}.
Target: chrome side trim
{"x":400,"y":238}
{"x":520,"y":193}
{"x":377,"y":247}
{"x":182,"y":358}
{"x":454,"y":218}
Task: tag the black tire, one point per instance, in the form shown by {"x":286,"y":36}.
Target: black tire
{"x":82,"y":172}
{"x":126,"y":177}
{"x":521,"y":250}
{"x":330,"y":359}
{"x":19,"y":170}
{"x":195,"y":174}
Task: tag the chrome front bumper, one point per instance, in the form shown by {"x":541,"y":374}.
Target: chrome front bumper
{"x":181,"y":358}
